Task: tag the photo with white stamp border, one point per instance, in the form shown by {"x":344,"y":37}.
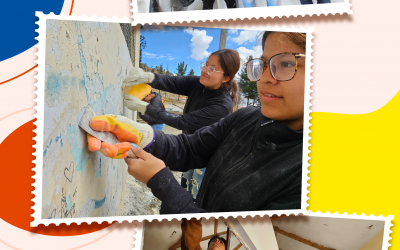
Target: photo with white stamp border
{"x":165,"y":11}
{"x":89,"y":62}
{"x":314,"y":231}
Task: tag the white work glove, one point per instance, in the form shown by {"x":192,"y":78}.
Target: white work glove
{"x":138,"y":76}
{"x":133,"y":103}
{"x":145,"y":130}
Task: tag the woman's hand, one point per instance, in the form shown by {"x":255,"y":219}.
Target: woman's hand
{"x":126,"y":130}
{"x":157,"y":100}
{"x":138,"y":76}
{"x":134,"y":104}
{"x":145,"y":167}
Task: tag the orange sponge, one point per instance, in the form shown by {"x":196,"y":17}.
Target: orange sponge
{"x":140,"y":90}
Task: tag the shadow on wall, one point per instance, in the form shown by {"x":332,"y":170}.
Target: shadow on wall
{"x":144,"y":5}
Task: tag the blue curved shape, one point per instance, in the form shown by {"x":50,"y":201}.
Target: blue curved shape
{"x":18,"y":24}
{"x":99,"y":203}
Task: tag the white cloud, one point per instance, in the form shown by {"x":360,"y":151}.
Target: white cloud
{"x":200,"y":43}
{"x":158,"y":56}
{"x":246,"y":36}
{"x":233,"y":32}
{"x":244,"y":53}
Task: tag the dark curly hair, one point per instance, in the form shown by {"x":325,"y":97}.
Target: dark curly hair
{"x":220,"y":238}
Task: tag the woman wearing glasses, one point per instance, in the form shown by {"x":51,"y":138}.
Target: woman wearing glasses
{"x":253,"y":157}
{"x":210,"y":98}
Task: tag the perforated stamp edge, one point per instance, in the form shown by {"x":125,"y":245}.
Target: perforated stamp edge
{"x":38,"y":161}
{"x":238,"y":13}
{"x":139,"y":235}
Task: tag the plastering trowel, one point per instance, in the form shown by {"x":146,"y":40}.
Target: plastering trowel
{"x":108,"y":137}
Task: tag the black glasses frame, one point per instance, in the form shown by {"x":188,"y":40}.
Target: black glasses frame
{"x":268,"y":62}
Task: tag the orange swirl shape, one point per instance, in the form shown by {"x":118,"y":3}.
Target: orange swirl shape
{"x":15,"y":186}
{"x":19,"y":75}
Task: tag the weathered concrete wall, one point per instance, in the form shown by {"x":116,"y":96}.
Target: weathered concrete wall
{"x":86,"y":63}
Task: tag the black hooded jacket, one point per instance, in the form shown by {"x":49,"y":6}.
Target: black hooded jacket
{"x":156,"y":101}
{"x":252,"y":163}
{"x":203,"y":106}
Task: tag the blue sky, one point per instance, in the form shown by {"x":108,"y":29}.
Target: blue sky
{"x":170,"y":45}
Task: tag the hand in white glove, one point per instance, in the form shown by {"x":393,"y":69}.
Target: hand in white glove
{"x":138,"y":76}
{"x":133,"y":103}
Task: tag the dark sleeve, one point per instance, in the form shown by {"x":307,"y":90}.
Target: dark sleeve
{"x":174,"y":198}
{"x":184,"y":152}
{"x":158,"y":102}
{"x":148,"y":119}
{"x":180,"y":85}
{"x":213,"y":112}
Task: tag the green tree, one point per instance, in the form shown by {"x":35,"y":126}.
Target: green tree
{"x":191,"y":73}
{"x":248,"y":88}
{"x":181,"y":69}
{"x":161,"y":69}
{"x":143,"y":45}
{"x":167,"y":72}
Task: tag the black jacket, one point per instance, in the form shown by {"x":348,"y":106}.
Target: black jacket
{"x":252,"y":163}
{"x":154,"y":5}
{"x":156,"y":101}
{"x":203,"y":106}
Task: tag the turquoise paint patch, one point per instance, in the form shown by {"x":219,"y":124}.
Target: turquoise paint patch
{"x":99,"y":203}
{"x":81,"y":158}
{"x":47,"y":147}
{"x":80,"y":39}
{"x":82,"y":83}
{"x":69,"y":204}
{"x":58,"y":138}
{"x":53,"y":86}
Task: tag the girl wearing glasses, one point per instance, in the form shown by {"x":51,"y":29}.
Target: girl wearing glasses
{"x":210,"y":98}
{"x":253,"y":157}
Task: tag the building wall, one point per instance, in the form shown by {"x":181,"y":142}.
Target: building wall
{"x":375,"y":243}
{"x":86,"y":63}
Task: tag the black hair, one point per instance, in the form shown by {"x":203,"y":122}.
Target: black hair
{"x":220,"y":238}
{"x":297,"y":38}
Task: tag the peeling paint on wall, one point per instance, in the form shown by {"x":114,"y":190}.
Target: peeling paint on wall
{"x":86,"y":63}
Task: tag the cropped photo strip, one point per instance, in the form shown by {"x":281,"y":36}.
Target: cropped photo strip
{"x":315,"y":231}
{"x":165,"y":11}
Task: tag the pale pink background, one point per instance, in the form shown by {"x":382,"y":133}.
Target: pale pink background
{"x":116,"y":236}
{"x":356,"y":65}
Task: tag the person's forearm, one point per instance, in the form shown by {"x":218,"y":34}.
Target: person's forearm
{"x":175,"y":151}
{"x":180,"y":85}
{"x":173,"y":120}
{"x":183,"y":152}
{"x":174,"y":199}
{"x":191,"y":121}
{"x":149,"y":120}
